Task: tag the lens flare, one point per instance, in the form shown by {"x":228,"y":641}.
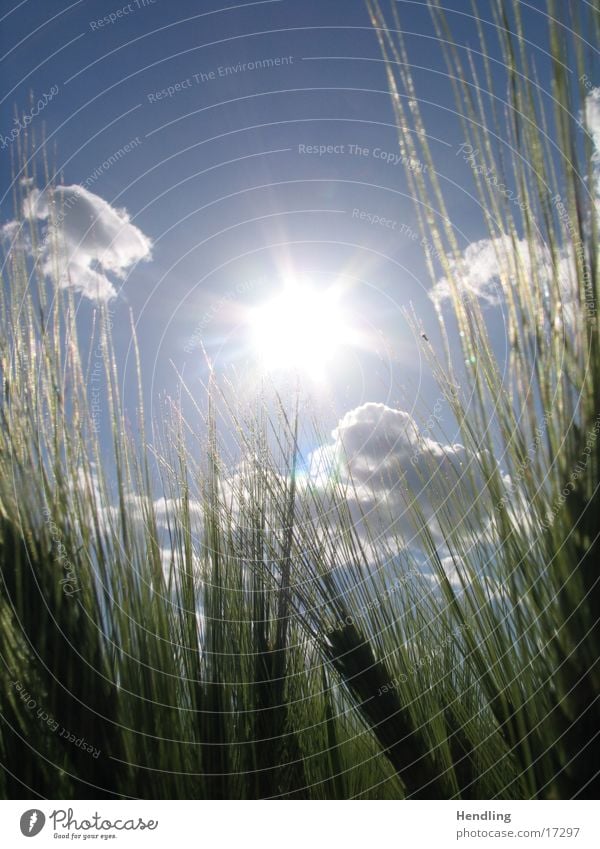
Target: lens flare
{"x":302,"y":328}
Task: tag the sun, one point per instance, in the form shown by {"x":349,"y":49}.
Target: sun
{"x":301,"y":328}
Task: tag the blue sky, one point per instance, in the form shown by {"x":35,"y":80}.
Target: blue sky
{"x":220,"y":174}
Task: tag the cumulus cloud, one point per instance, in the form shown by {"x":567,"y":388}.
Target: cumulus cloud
{"x":87,"y":244}
{"x":592,"y":114}
{"x":487,"y":267}
{"x":380,"y":464}
{"x":592,"y":120}
{"x":391,"y":464}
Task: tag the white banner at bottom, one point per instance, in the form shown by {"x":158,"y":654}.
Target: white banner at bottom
{"x":300,"y":825}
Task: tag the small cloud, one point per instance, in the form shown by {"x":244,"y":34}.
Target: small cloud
{"x":592,"y":120}
{"x":10,"y":231}
{"x":87,"y":244}
{"x":487,"y":267}
{"x":592,"y":117}
{"x":392,"y":465}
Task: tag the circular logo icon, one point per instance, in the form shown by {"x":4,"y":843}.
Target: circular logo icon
{"x":32,"y":822}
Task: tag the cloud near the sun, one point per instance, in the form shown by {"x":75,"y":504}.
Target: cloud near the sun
{"x":488,"y":267}
{"x":87,"y":244}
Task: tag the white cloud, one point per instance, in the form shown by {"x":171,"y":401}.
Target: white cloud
{"x":488,"y":266}
{"x":87,"y":244}
{"x":592,"y":120}
{"x":592,"y":115}
{"x":10,"y":230}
